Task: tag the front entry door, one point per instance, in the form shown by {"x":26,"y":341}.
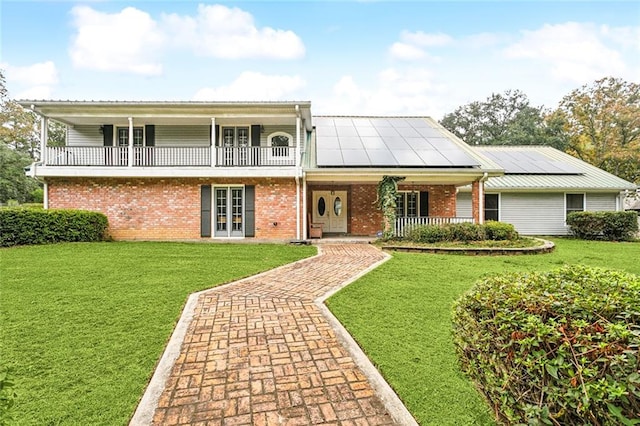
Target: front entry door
{"x":228,"y":208}
{"x":330,"y":209}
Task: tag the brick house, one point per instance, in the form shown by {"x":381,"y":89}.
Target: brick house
{"x":188,"y":170}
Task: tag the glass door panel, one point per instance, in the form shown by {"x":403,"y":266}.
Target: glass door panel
{"x":221,"y":212}
{"x":237,"y":228}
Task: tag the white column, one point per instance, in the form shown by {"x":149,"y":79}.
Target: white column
{"x":130,"y":141}
{"x":297,"y":152}
{"x":297,"y":139}
{"x":44,"y":135}
{"x":45,"y":199}
{"x":213,"y":142}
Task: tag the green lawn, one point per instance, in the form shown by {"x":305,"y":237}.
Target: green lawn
{"x":401,"y":315}
{"x":82,"y":325}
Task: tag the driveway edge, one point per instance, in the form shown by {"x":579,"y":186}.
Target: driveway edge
{"x":387,"y":395}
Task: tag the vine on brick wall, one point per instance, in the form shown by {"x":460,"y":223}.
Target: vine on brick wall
{"x":387,"y":193}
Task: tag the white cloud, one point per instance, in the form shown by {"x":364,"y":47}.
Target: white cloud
{"x":40,"y":74}
{"x":573,"y":51}
{"x":406,"y":52}
{"x":127,"y":41}
{"x":410,"y":91}
{"x":426,"y":39}
{"x":231,"y":33}
{"x":34,"y":81}
{"x":254,"y":86}
{"x":411,"y":46}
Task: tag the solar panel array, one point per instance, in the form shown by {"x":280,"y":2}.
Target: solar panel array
{"x":528,"y":162}
{"x":386,"y":142}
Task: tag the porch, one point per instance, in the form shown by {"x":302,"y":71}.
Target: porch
{"x":170,"y":156}
{"x":403,"y":224}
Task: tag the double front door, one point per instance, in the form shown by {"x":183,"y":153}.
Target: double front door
{"x":228,"y":208}
{"x":330,"y":209}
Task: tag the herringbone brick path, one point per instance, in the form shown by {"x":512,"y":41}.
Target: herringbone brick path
{"x":260,"y":352}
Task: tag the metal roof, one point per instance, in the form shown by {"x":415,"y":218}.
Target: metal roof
{"x":390,"y":142}
{"x":574,"y":174}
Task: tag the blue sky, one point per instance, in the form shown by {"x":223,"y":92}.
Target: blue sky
{"x":347,"y":57}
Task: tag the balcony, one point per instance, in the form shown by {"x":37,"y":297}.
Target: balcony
{"x":170,"y":156}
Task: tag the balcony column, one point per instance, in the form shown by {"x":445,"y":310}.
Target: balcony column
{"x":44,"y":135}
{"x":130,"y":156}
{"x":213,"y":142}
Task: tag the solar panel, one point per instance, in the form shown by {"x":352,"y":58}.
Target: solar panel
{"x":386,"y":142}
{"x":526,"y":161}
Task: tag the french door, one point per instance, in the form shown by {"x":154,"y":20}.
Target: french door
{"x":228,"y":205}
{"x":330,"y":209}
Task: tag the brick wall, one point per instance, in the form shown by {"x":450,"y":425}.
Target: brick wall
{"x":366,"y":218}
{"x":475,"y":201}
{"x":170,"y":208}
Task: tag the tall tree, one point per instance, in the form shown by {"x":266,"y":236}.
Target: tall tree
{"x":504,"y":119}
{"x":19,"y":146}
{"x":603,"y":123}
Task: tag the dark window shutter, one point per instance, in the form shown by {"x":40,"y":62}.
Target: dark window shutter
{"x":205,"y":211}
{"x":107,"y":134}
{"x":424,"y":204}
{"x":255,"y":135}
{"x":249,"y":211}
{"x":150,"y":134}
{"x":216,"y":132}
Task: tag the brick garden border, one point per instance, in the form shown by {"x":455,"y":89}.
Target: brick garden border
{"x":546,"y":247}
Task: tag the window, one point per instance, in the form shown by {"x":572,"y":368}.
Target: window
{"x":280,"y":143}
{"x":573,"y":203}
{"x":492,"y":207}
{"x":235,"y":136}
{"x":407,"y":204}
{"x":123,"y":136}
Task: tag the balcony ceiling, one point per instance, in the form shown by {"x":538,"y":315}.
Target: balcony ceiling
{"x":184,"y":113}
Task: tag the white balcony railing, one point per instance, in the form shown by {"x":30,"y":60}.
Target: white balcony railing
{"x":169,"y":156}
{"x":405,"y":223}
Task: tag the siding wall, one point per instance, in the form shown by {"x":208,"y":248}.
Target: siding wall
{"x":463,"y":205}
{"x":534,"y":213}
{"x":182,"y":135}
{"x":84,"y":136}
{"x":89,"y":135}
{"x":601,"y":202}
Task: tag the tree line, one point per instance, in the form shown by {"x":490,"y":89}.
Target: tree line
{"x":598,"y":123}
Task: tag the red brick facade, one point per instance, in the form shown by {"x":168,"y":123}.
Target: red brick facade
{"x":475,"y":201}
{"x":364,"y":216}
{"x":169,"y":208}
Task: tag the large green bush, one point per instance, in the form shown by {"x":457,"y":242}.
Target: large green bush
{"x":464,"y":232}
{"x":605,"y":225}
{"x":23,"y":226}
{"x":558,"y":347}
{"x":500,"y":231}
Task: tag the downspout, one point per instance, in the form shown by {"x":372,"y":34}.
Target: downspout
{"x":481,"y":182}
{"x":298,"y":172}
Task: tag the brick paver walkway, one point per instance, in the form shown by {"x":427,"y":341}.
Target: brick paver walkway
{"x":260,"y":352}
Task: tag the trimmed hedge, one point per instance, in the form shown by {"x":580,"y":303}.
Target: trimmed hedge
{"x":605,"y":225}
{"x":461,"y":232}
{"x":20,"y":226}
{"x":557,"y":347}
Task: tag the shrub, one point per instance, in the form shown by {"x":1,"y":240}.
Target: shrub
{"x":558,"y":347}
{"x":500,"y":231}
{"x":428,"y":234}
{"x":606,"y":225}
{"x":466,"y":232}
{"x":20,"y":226}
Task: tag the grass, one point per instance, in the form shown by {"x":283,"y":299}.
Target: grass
{"x":400,"y":314}
{"x":83,"y":325}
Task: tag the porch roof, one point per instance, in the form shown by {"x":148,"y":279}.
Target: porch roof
{"x":168,"y":112}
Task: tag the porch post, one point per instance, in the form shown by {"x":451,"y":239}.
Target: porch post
{"x":130,"y":148}
{"x":475,"y":201}
{"x":213,"y":142}
{"x":297,"y":153}
{"x":44,"y":135}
